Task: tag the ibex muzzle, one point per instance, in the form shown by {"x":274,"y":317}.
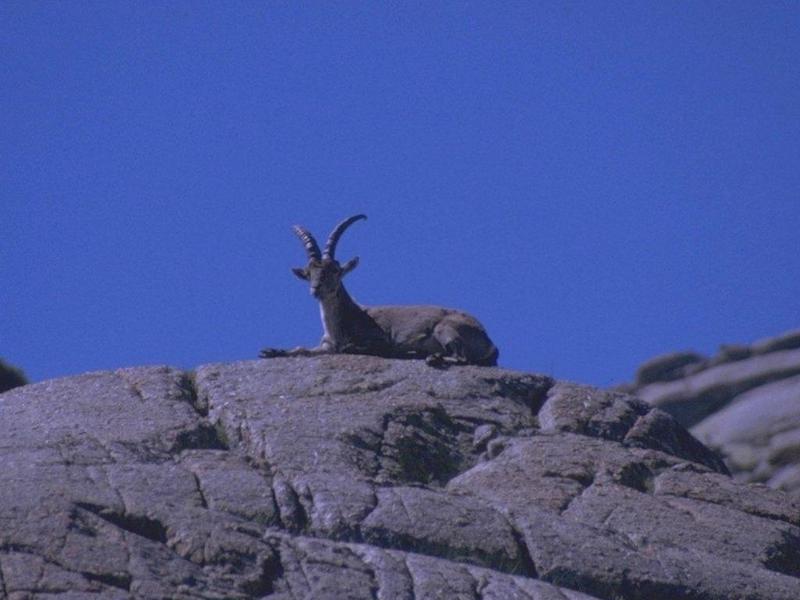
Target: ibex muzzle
{"x":440,"y":335}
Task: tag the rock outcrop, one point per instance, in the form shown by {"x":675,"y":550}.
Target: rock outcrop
{"x":358,"y":477}
{"x":744,"y":403}
{"x":10,"y":377}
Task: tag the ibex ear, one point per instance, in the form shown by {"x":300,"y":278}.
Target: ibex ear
{"x":349,"y":266}
{"x":301,"y":273}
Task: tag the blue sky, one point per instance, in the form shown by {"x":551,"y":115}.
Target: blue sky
{"x":597,"y":182}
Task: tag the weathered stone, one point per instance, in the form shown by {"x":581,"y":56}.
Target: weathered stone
{"x":358,"y":477}
{"x":666,"y":367}
{"x":760,"y":431}
{"x":451,"y":526}
{"x":785,"y":341}
{"x":315,"y":568}
{"x":659,"y":431}
{"x":685,"y":482}
{"x":654,"y":523}
{"x":226,"y":482}
{"x":695,"y":397}
{"x":786,"y":478}
{"x":729,"y":353}
{"x":589,"y":411}
{"x":620,"y":417}
{"x":744,"y":403}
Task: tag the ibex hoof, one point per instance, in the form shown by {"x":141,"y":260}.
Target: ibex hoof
{"x":436,"y":361}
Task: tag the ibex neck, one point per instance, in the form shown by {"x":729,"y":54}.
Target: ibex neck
{"x":337,"y":311}
{"x":338,"y":301}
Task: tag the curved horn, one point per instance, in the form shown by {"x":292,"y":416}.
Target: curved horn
{"x":330,"y":247}
{"x":312,"y":250}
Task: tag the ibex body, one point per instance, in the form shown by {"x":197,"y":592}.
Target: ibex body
{"x":440,"y":335}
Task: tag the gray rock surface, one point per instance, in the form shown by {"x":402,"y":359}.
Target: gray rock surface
{"x":759,"y":433}
{"x":697,"y":395}
{"x":359,"y":477}
{"x":668,"y":367}
{"x":744,"y":403}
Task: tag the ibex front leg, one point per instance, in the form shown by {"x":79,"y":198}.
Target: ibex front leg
{"x":280,"y":352}
{"x":323,"y":348}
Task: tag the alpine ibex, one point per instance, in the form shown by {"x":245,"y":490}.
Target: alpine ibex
{"x":440,"y":335}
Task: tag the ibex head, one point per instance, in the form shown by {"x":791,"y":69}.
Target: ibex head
{"x":323,"y":272}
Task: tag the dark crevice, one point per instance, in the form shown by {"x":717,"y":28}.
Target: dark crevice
{"x":20,"y":549}
{"x":270,"y":571}
{"x":203,"y":501}
{"x":120,"y":581}
{"x":117,"y":580}
{"x":636,"y":476}
{"x":369,"y":444}
{"x":499,"y":561}
{"x":3,"y":590}
{"x":478,"y":585}
{"x":291,"y":513}
{"x":301,"y":562}
{"x":530,"y":390}
{"x":249,"y":530}
{"x":586,"y":487}
{"x":374,"y":589}
{"x":79,"y":524}
{"x":358,"y":536}
{"x":188,"y":384}
{"x":410,"y":577}
{"x":785,"y":557}
{"x":526,"y":565}
{"x":140,"y":525}
{"x":585,"y":478}
{"x":203,"y":437}
{"x":468,"y":423}
{"x":421,"y":446}
{"x":384,"y":539}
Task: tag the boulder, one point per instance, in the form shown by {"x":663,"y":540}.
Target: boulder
{"x":361,"y":477}
{"x":743,"y":403}
{"x":667,"y":367}
{"x":10,"y":376}
{"x":785,"y":341}
{"x":694,"y":397}
{"x":759,"y":432}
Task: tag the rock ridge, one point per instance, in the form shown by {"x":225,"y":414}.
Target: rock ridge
{"x":361,"y":477}
{"x":744,"y":403}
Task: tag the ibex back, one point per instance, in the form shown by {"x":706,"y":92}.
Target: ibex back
{"x":440,"y":335}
